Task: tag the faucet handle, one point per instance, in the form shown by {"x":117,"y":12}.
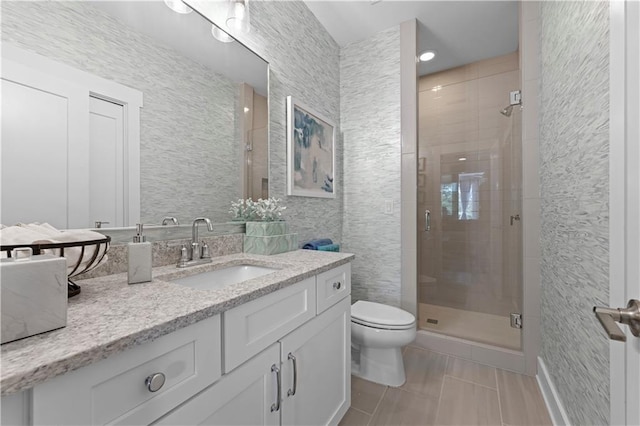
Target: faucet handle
{"x":184,"y":257}
{"x":205,"y":251}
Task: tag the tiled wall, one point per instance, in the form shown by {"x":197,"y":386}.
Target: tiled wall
{"x":304,"y":63}
{"x":188,"y":110}
{"x":574,"y":146}
{"x":370,"y":117}
{"x":470,"y":262}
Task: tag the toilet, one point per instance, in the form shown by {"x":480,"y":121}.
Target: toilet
{"x":378,"y":333}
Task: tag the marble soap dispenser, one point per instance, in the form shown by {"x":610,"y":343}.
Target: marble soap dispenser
{"x":139,"y":258}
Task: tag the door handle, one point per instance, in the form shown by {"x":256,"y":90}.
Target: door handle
{"x":276,"y":406}
{"x":427,"y":220}
{"x":292,"y":392}
{"x":629,"y":316}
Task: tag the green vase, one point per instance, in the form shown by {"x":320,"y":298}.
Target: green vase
{"x":270,"y":244}
{"x":266,"y":229}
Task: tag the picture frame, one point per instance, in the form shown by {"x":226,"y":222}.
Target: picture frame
{"x":421,"y":164}
{"x":421,"y":180}
{"x":311,"y":152}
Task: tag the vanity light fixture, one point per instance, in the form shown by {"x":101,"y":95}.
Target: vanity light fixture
{"x":462,"y":159}
{"x":220,"y":35}
{"x":178,"y":6}
{"x":238,"y":16}
{"x":427,"y":55}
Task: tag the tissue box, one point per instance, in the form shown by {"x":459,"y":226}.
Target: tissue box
{"x":34,"y":295}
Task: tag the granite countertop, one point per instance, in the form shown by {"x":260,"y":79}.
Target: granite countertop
{"x":110,"y":316}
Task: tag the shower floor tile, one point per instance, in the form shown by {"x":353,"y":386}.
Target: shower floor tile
{"x":475,"y":326}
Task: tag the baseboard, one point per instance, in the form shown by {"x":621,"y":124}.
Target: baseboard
{"x":551,"y":398}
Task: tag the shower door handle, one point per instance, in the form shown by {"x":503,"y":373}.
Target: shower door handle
{"x":427,"y":220}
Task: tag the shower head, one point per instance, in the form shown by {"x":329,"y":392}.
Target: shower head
{"x":507,"y":111}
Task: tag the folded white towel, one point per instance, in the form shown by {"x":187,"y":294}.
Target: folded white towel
{"x":36,"y":233}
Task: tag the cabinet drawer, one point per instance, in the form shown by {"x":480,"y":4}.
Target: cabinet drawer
{"x":253,"y":326}
{"x":114,"y":391}
{"x":333,"y":286}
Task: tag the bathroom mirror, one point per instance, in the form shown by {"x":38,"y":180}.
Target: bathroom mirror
{"x":202,"y":121}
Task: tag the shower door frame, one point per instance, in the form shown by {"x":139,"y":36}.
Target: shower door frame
{"x":524,"y":360}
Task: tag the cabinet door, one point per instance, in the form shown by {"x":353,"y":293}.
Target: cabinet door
{"x":247,"y":396}
{"x":320,"y":392}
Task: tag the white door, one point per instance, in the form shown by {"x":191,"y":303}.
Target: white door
{"x":43,"y":120}
{"x":316,"y":369}
{"x":625,"y":203}
{"x":106,"y":163}
{"x":246,"y":396}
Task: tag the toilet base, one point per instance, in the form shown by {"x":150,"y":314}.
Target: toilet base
{"x":379,"y":365}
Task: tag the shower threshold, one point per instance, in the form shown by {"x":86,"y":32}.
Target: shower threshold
{"x":475,"y":326}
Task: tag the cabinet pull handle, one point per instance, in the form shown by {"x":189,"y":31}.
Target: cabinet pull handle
{"x":292,"y":392}
{"x":337,"y":285}
{"x":154,"y":382}
{"x":276,"y":406}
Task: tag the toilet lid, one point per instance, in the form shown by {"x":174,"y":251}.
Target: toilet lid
{"x":377,"y":313}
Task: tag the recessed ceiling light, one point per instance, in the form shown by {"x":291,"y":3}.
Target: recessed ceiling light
{"x":427,"y":55}
{"x":178,"y":6}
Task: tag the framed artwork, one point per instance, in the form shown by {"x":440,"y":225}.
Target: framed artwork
{"x":421,"y":180}
{"x":311,"y":152}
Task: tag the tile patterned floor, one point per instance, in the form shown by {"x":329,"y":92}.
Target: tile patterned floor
{"x":444,"y":390}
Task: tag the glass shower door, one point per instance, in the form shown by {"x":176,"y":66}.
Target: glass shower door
{"x":469,"y":201}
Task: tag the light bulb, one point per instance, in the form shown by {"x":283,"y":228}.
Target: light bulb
{"x":178,"y":6}
{"x":220,"y":35}
{"x":238,"y":15}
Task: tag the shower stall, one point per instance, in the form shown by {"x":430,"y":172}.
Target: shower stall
{"x":469,"y":203}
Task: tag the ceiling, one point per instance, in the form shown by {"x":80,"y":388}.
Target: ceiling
{"x":460,"y":32}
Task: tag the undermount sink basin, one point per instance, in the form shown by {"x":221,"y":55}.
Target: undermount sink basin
{"x":220,"y":278}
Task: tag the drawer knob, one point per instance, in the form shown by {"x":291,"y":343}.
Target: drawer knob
{"x":155,"y":382}
{"x":337,"y":285}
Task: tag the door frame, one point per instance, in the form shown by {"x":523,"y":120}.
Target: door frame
{"x":108,"y":90}
{"x":624,"y":202}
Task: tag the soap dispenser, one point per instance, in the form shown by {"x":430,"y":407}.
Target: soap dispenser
{"x":139,"y":258}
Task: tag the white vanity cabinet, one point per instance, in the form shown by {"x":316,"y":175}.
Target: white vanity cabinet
{"x":137,"y":386}
{"x":246,"y":396}
{"x":283,"y":358}
{"x":304,"y":378}
{"x":316,"y":369}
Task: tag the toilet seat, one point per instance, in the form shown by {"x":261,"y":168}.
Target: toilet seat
{"x":377,"y":315}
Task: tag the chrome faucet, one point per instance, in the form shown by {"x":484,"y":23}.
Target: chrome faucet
{"x":198,"y":254}
{"x":171,"y":219}
{"x":195,"y":246}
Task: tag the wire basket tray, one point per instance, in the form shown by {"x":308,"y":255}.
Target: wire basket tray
{"x":82,"y":265}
